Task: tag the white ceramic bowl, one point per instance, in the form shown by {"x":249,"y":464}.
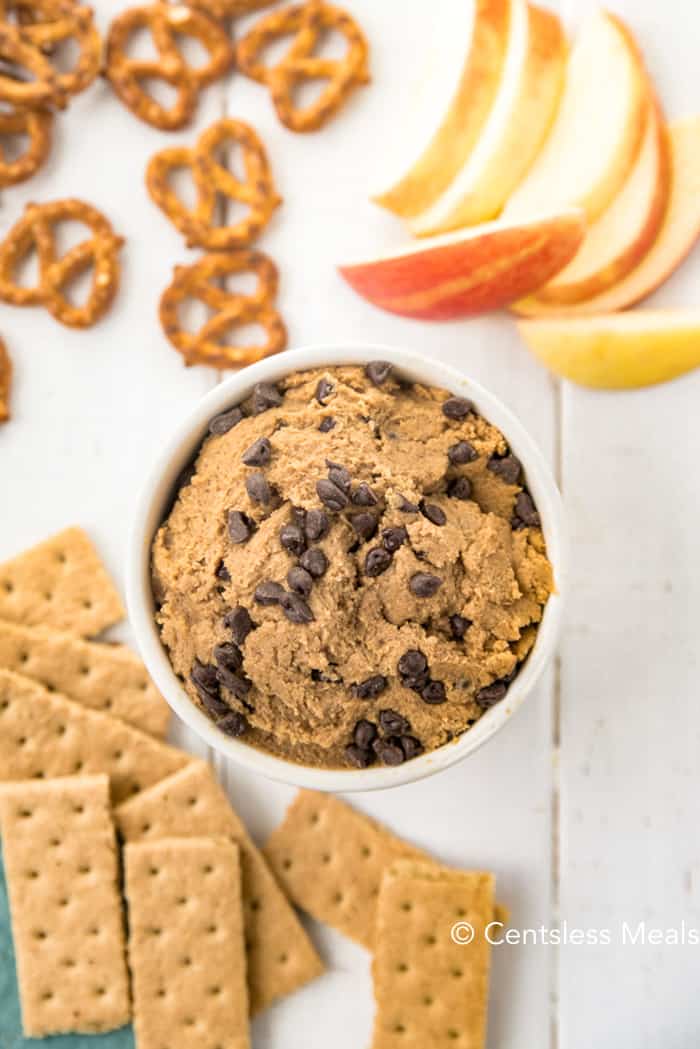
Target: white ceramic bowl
{"x":158,"y":489}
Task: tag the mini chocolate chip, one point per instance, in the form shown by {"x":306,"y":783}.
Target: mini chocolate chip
{"x":259,"y":453}
{"x":292,"y":538}
{"x":460,"y":488}
{"x":339,"y":476}
{"x":240,"y":624}
{"x":378,"y":372}
{"x":459,"y":626}
{"x":462,"y":452}
{"x":314,"y":561}
{"x":411,"y":747}
{"x":239,"y":525}
{"x":507,"y":467}
{"x":265,"y":395}
{"x":412,"y":663}
{"x":228,"y":655}
{"x":434,"y":693}
{"x":491,"y":694}
{"x":365,"y":524}
{"x":296,"y":609}
{"x":205,"y":680}
{"x":423,"y":584}
{"x":525,"y":509}
{"x":236,"y":683}
{"x":269,"y":593}
{"x":316,"y":524}
{"x":370,"y":688}
{"x":377,"y":561}
{"x":323,"y":390}
{"x":226,"y":421}
{"x":234,"y":724}
{"x":364,"y":733}
{"x":300,"y":581}
{"x":435,"y":514}
{"x":393,"y":538}
{"x":407,"y":507}
{"x":364,"y":496}
{"x":327,"y":424}
{"x":331,"y":495}
{"x":222,"y":572}
{"x":358,"y":756}
{"x":389,"y":751}
{"x":457,"y":408}
{"x":393,"y":724}
{"x":258,"y":489}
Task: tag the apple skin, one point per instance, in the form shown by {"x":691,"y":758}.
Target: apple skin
{"x":472,"y":272}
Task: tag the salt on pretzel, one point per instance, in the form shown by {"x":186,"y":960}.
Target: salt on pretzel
{"x":35,"y":232}
{"x":5,"y":382}
{"x":199,"y":224}
{"x":229,"y":309}
{"x":48,"y":23}
{"x":306,"y":23}
{"x":33,"y":124}
{"x":165,"y":22}
{"x":36,"y":82}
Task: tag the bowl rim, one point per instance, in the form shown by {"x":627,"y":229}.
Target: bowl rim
{"x":177,"y":452}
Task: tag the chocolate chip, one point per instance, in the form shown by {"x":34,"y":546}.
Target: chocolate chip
{"x":364,"y":496}
{"x":300,"y":581}
{"x":491,"y":694}
{"x":222,"y":572}
{"x":258,"y":489}
{"x":434,"y":693}
{"x":389,"y":751}
{"x":365,"y":524}
{"x":507,"y":467}
{"x":331,"y":495}
{"x":327,"y":424}
{"x":407,"y":507}
{"x":364,"y":733}
{"x":460,"y":488}
{"x":299,"y":516}
{"x":459,"y":626}
{"x":316,"y":524}
{"x":234,"y":724}
{"x":240,"y":624}
{"x":226,"y":421}
{"x":370,"y":688}
{"x":462,"y":452}
{"x":457,"y":408}
{"x":393,"y":724}
{"x":228,"y":655}
{"x":292,"y":538}
{"x":258,"y":454}
{"x":377,"y":561}
{"x":265,"y":395}
{"x":238,"y":684}
{"x":423,"y":584}
{"x":378,"y":372}
{"x":393,"y":538}
{"x":296,"y":609}
{"x":269,"y":593}
{"x":358,"y":756}
{"x":240,"y":527}
{"x":435,"y":514}
{"x":411,"y":747}
{"x":412,"y":663}
{"x":205,"y":680}
{"x":323,"y":390}
{"x":314,"y":561}
{"x":339,"y":476}
{"x":525,"y":509}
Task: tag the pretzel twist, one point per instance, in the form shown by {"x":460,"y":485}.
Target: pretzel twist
{"x":47,"y":23}
{"x":36,"y":82}
{"x":35,"y":125}
{"x":224,"y":9}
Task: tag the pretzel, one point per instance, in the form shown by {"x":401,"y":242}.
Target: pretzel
{"x":31,"y":79}
{"x":211,"y":180}
{"x":5,"y":382}
{"x":307,"y":23}
{"x":230,"y":309}
{"x":47,"y":23}
{"x":165,"y":22}
{"x":35,"y":232}
{"x":35,"y":125}
{"x":224,"y":9}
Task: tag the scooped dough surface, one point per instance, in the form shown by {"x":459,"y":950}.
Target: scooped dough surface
{"x":354,"y":570}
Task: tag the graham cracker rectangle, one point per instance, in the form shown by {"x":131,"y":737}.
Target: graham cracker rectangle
{"x":330,"y":861}
{"x":60,"y":857}
{"x":186,"y":951}
{"x":429,"y":989}
{"x":60,"y":583}
{"x":100,"y":676}
{"x":280,"y":956}
{"x":43,"y":734}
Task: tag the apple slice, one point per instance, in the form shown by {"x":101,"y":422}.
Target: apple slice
{"x":617,"y":351}
{"x":471,"y":271}
{"x":599,"y":126}
{"x":678,"y":234}
{"x":459,"y":91}
{"x":531,"y":87}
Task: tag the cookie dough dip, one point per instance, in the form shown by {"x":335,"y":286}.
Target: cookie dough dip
{"x":353,"y":570}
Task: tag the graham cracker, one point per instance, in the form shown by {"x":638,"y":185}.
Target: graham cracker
{"x":60,"y":583}
{"x":330,"y":861}
{"x":61,"y":865}
{"x":429,"y":989}
{"x":43,"y":734}
{"x":101,"y":676}
{"x":280,"y":956}
{"x":186,"y":951}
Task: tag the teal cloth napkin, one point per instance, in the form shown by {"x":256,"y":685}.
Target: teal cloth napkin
{"x":11,"y":1036}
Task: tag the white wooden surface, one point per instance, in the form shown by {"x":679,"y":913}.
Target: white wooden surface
{"x":586,"y":804}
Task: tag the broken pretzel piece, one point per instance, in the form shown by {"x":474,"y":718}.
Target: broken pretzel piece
{"x":34,"y":125}
{"x":5,"y":382}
